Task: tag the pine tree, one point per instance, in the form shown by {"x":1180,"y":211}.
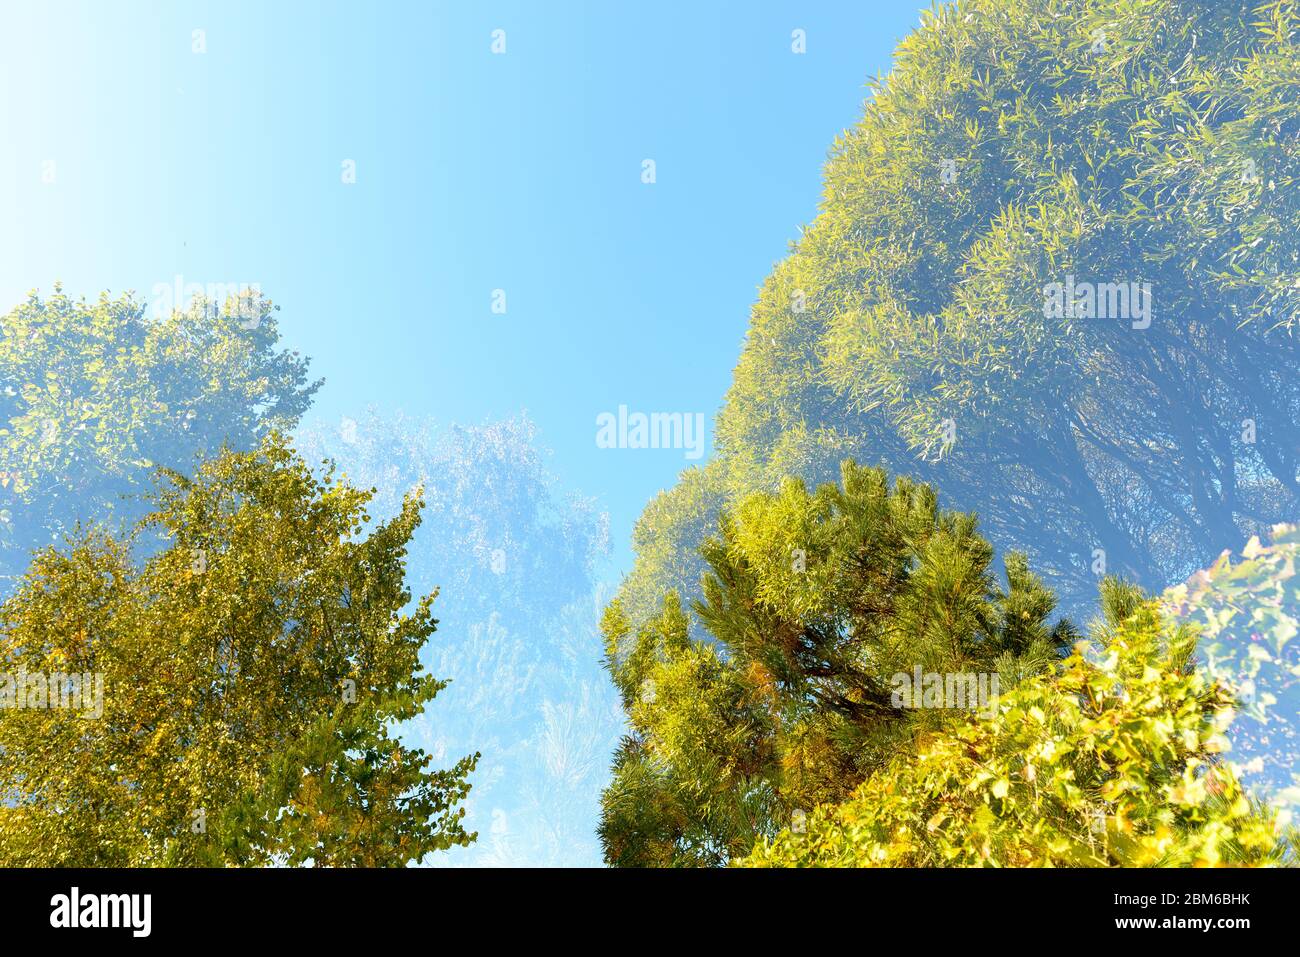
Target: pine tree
{"x":815,"y":603}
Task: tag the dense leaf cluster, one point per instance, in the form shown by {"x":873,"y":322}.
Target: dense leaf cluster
{"x":251,"y":670}
{"x":815,"y":602}
{"x":1117,"y":761}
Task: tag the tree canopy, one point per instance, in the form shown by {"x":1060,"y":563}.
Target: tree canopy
{"x":794,"y":734}
{"x":1016,"y":147}
{"x":93,"y":395}
{"x":815,"y":603}
{"x":249,"y":672}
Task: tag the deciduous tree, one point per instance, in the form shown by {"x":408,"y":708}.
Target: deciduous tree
{"x":252,"y":669}
{"x":1017,"y":145}
{"x":94,"y":394}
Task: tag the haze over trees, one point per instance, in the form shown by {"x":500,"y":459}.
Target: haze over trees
{"x":1015,"y":145}
{"x":94,"y":394}
{"x":1246,"y":609}
{"x":107,"y":392}
{"x":516,"y":557}
{"x":1034,"y":357}
{"x":1054,"y":277}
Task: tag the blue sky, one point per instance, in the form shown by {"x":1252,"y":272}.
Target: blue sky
{"x":474,"y":172}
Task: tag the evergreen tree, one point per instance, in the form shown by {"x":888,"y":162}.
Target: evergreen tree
{"x":816,"y":604}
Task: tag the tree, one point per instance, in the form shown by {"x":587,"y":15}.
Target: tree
{"x":250,"y":668}
{"x":92,"y":395}
{"x":1247,"y":614}
{"x":518,"y":557}
{"x":819,"y":606}
{"x":1115,"y":762}
{"x":1020,"y":148}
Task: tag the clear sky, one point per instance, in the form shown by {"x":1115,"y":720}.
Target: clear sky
{"x":130,"y":159}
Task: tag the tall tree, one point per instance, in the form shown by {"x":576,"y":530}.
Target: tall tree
{"x":251,"y":670}
{"x":1020,"y":148}
{"x":815,"y":604}
{"x":517,"y":555}
{"x":92,"y":395}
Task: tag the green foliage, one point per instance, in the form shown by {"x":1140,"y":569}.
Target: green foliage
{"x":1248,"y":616}
{"x":92,"y":395}
{"x":519,"y":605}
{"x":815,"y":601}
{"x":1116,"y":761}
{"x":1109,"y":140}
{"x":251,"y":669}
